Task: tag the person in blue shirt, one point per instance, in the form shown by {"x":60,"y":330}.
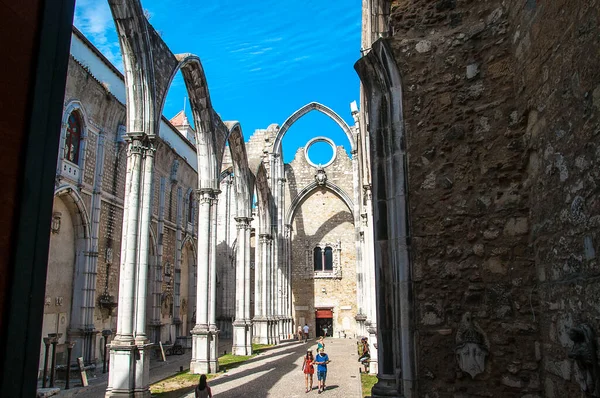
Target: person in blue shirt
{"x":321,"y":360}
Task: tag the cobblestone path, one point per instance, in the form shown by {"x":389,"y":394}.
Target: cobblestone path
{"x":277,"y":373}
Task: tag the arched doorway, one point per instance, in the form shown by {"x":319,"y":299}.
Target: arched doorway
{"x":65,"y":302}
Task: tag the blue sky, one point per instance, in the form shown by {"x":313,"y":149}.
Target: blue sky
{"x":263,"y":59}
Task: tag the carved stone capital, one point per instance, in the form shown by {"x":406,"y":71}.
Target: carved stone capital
{"x":264,"y":238}
{"x":243,"y":222}
{"x":204,"y":195}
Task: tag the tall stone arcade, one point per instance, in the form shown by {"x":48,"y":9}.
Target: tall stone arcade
{"x":457,"y":228}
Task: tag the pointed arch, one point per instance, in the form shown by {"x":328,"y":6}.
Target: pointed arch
{"x":312,"y":106}
{"x":69,"y":191}
{"x":308,"y":190}
{"x":265,"y":200}
{"x":203,"y":114}
{"x":382,"y":81}
{"x":82,"y":296}
{"x":244,"y":180}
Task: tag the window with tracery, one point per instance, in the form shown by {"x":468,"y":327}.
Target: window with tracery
{"x":323,"y":259}
{"x":73,"y":138}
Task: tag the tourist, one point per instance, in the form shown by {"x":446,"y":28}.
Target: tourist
{"x":321,"y":360}
{"x":300,"y":333}
{"x":365,"y":354}
{"x":305,"y":328}
{"x":320,"y":344}
{"x":202,"y":389}
{"x":308,"y":369}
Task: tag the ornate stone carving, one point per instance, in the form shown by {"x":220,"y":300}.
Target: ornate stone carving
{"x":174,"y":169}
{"x":472,"y":346}
{"x":321,"y":177}
{"x":584,"y":354}
{"x":56,"y":220}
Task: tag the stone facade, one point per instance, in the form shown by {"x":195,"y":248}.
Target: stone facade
{"x":499,"y":105}
{"x":88,"y":208}
{"x":322,"y":218}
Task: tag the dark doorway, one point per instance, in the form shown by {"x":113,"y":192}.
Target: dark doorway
{"x":324,"y":322}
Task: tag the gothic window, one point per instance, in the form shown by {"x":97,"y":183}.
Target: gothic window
{"x":318,"y":259}
{"x":323,"y":259}
{"x":73,"y":138}
{"x":328,"y":257}
{"x":191,"y":208}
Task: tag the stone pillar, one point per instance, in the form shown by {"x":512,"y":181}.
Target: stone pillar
{"x":200,"y":333}
{"x":130,"y":236}
{"x":144,"y":255}
{"x":247,"y":295}
{"x":261,"y":324}
{"x":370,"y":286}
{"x":271,"y":292}
{"x":242,"y":282}
{"x":212,"y":311}
{"x":129,"y":351}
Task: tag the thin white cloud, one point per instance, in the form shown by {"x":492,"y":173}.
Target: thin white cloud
{"x":95,"y":21}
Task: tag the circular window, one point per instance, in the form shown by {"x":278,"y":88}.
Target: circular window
{"x":321,"y":148}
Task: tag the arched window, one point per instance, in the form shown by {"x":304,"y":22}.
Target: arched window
{"x":323,"y":259}
{"x":318,"y":259}
{"x":328,"y":256}
{"x":73,"y":138}
{"x":191,"y":208}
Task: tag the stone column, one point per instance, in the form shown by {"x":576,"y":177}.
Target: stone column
{"x":240,"y":325}
{"x":214,"y":330}
{"x":144,"y":255}
{"x":247,"y":295}
{"x":261,"y":322}
{"x":271,"y":292}
{"x":129,"y":355}
{"x":370,"y":285}
{"x":288,"y":279}
{"x":200,"y":333}
{"x":130,"y":239}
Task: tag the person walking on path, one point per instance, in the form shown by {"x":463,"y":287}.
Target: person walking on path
{"x":202,"y":389}
{"x":305,"y":329}
{"x":321,"y":360}
{"x":308,"y":369}
{"x":365,"y":355}
{"x":300,"y":334}
{"x":320,"y":343}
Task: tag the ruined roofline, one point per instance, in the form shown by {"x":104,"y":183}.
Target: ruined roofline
{"x":120,"y":75}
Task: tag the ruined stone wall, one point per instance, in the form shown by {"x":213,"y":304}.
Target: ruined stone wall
{"x":469,"y":199}
{"x":556,"y":51}
{"x":322,"y":218}
{"x":500,"y":103}
{"x":180,"y":178}
{"x":104,"y":114}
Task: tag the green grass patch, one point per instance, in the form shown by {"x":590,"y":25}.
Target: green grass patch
{"x":184,"y":382}
{"x":230,"y":361}
{"x":258,"y":348}
{"x":367,"y":381}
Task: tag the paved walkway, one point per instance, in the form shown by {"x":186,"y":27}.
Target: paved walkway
{"x":278,"y":373}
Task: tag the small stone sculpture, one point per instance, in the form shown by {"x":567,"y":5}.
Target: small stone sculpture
{"x":321,"y":177}
{"x":584,"y":354}
{"x":472,"y":346}
{"x":174,"y":169}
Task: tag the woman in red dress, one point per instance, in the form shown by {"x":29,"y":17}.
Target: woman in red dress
{"x":308,"y":369}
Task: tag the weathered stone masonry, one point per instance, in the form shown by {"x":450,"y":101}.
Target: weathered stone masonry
{"x":499,"y":105}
